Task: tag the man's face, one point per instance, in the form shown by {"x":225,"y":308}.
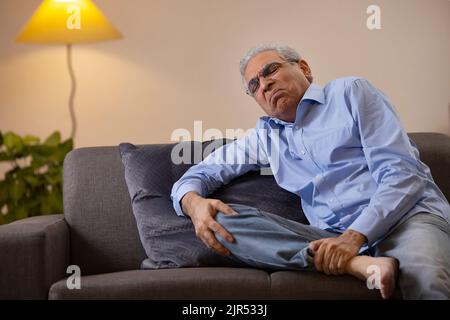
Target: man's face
{"x":279,"y":93}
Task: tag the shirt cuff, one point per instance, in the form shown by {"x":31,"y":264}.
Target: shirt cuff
{"x":370,"y":225}
{"x":179,"y":194}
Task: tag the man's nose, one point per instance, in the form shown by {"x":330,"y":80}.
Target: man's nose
{"x":265,"y":83}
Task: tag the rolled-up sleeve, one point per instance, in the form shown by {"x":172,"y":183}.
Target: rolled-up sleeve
{"x":391,"y":158}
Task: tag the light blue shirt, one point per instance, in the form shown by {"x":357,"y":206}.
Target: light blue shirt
{"x":346,"y":155}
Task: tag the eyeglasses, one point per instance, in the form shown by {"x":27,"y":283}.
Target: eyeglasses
{"x":268,"y":70}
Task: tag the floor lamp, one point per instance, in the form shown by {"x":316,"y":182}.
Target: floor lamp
{"x":68,"y":22}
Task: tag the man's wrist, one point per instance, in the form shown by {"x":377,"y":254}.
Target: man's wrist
{"x":186,"y":202}
{"x":356,"y":237}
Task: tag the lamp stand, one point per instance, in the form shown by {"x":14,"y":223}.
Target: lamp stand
{"x":72,"y":91}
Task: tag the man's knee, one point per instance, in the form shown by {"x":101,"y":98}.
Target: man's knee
{"x":234,"y":224}
{"x":244,"y":214}
{"x":240,"y":227}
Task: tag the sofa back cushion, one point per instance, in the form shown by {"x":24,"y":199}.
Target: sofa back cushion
{"x":434,"y":151}
{"x":103,"y":234}
{"x":169,"y":240}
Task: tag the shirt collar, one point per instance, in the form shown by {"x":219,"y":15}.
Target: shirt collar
{"x":313,"y":93}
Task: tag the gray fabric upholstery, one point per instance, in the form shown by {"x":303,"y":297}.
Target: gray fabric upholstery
{"x":215,"y":283}
{"x":34,"y":253}
{"x":184,"y":283}
{"x":169,"y":240}
{"x":97,"y":208}
{"x":289,"y":285}
{"x":434,"y":151}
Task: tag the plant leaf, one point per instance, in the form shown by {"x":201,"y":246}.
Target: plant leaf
{"x":13,"y":142}
{"x":21,"y":212}
{"x":46,"y":206}
{"x":4,"y":193}
{"x":53,"y":140}
{"x":17,"y":190}
{"x":6,"y":156}
{"x":30,"y":140}
{"x":33,"y":181}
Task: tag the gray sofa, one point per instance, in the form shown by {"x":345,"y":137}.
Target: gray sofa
{"x":98,"y":233}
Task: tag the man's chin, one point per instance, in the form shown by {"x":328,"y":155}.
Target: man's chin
{"x":282,"y":112}
{"x":279,"y":106}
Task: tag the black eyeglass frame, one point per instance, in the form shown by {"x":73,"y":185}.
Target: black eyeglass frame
{"x":265,"y":72}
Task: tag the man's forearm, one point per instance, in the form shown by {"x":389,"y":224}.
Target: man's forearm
{"x":188,"y":202}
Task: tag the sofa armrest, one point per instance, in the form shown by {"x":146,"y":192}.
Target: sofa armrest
{"x":34,"y":253}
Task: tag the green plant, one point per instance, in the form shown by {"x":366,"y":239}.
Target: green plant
{"x":33,"y":186}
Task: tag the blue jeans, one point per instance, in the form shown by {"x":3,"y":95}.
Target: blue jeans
{"x":421,"y":245}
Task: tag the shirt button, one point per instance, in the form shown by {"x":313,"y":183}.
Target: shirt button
{"x":303,"y":152}
{"x":331,"y":200}
{"x":297,"y":127}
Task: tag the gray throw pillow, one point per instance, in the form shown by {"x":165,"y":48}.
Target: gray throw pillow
{"x":169,"y":240}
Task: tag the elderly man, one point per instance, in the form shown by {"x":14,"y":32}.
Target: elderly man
{"x":372,"y":205}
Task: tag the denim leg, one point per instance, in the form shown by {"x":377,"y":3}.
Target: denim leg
{"x":268,"y":241}
{"x":421,"y":244}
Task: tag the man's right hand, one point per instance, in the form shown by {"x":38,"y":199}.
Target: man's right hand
{"x":202,"y":213}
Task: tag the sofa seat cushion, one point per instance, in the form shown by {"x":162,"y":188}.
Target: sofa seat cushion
{"x":184,"y":283}
{"x":314,"y":285}
{"x":215,"y":283}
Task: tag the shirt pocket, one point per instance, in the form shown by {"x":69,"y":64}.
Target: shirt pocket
{"x":332,"y":147}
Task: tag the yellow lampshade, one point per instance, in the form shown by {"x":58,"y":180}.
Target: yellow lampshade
{"x":67,"y":22}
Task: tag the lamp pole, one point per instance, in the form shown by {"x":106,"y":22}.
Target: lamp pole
{"x":72,"y":91}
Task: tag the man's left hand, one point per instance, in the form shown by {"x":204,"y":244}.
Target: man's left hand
{"x":332,"y":254}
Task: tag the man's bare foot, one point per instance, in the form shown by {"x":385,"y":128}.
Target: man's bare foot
{"x":386,"y":268}
{"x":389,"y":270}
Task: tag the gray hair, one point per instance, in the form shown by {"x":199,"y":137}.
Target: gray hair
{"x":285,"y":52}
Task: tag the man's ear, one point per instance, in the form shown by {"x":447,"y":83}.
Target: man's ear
{"x":306,"y":70}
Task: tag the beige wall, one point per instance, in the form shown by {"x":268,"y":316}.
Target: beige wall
{"x":179,"y":61}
